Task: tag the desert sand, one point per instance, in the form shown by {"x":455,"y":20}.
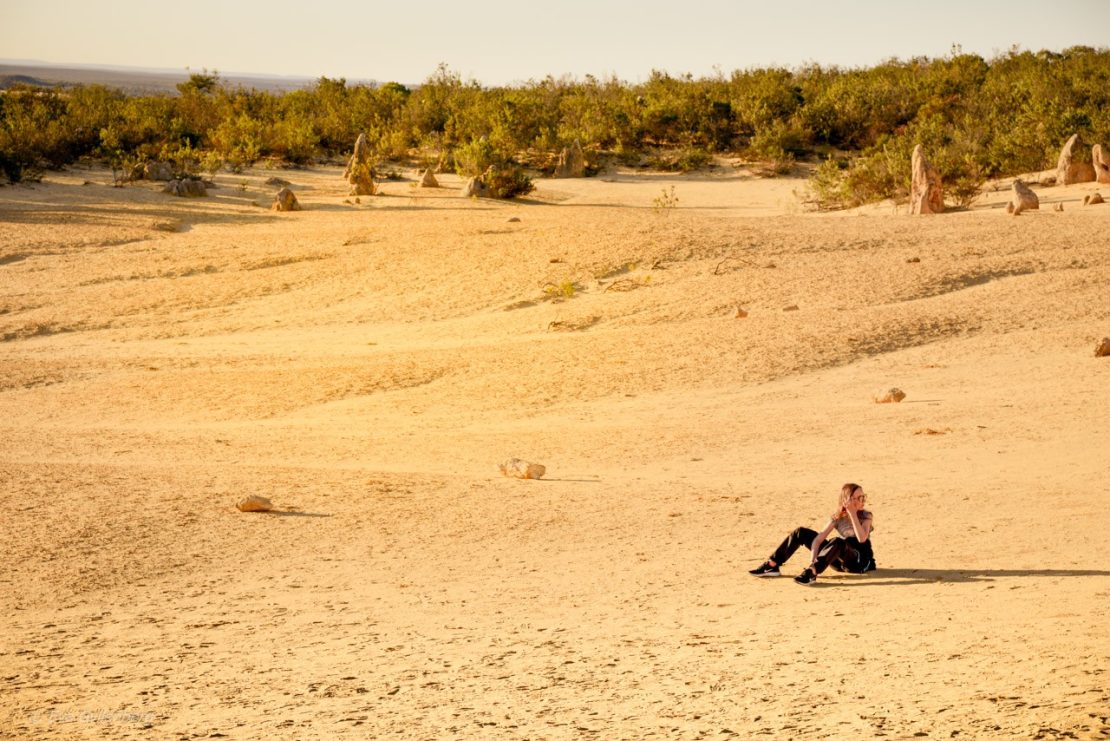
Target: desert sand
{"x":366,"y":367}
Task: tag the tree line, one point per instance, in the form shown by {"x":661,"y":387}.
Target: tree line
{"x":977,"y":119}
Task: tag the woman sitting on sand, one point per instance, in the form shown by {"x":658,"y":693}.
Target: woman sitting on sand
{"x":850,"y":552}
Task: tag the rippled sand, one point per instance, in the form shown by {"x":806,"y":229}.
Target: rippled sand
{"x":368,"y":365}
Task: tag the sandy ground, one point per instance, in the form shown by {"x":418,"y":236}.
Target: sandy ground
{"x":367,"y":366}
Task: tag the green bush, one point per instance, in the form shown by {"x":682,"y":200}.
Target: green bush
{"x":475,"y":157}
{"x":977,"y":119}
{"x":507,"y":181}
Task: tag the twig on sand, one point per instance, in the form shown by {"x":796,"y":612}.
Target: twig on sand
{"x":749,"y":263}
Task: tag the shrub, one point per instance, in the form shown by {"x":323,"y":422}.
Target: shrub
{"x":475,"y":158}
{"x":507,"y":181}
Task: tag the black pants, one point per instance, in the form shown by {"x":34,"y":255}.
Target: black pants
{"x":843,"y":554}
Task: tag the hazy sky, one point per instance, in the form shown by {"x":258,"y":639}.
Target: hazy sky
{"x":502,"y":41}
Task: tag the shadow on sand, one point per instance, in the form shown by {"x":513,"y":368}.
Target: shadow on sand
{"x":900,"y":577}
{"x":290,"y":513}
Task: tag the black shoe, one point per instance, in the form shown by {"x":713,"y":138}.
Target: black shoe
{"x":806,"y":577}
{"x":766,"y":569}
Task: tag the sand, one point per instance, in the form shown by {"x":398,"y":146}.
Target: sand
{"x":367,"y":366}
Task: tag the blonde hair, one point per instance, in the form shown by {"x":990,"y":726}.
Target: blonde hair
{"x":846,"y":493}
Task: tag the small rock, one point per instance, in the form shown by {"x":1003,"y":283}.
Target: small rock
{"x":1058,"y":207}
{"x":255,"y":503}
{"x":914,"y":259}
{"x":514,"y":219}
{"x":285,"y":200}
{"x":1093,"y":199}
{"x":474,"y":187}
{"x":517,"y":468}
{"x":792,"y":307}
{"x":1103,"y":349}
{"x":740,"y":313}
{"x":1023,"y":198}
{"x":186,"y":188}
{"x":162,"y":171}
{"x":890,"y":396}
{"x":166,"y":226}
{"x":428,"y":179}
{"x":278,"y":182}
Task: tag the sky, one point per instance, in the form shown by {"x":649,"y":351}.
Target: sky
{"x":499,"y":42}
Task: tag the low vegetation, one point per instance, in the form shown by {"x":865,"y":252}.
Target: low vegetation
{"x":977,"y":119}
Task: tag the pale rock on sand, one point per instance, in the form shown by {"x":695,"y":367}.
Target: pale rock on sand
{"x":161,"y":171}
{"x":186,"y":188}
{"x":360,"y":172}
{"x":572,"y":162}
{"x":1023,"y":199}
{"x":1093,"y":200}
{"x":255,"y":503}
{"x":1101,"y":162}
{"x":1103,"y":349}
{"x":926,"y":196}
{"x":517,"y":468}
{"x":890,"y":396}
{"x":285,"y":200}
{"x":1068,"y":170}
{"x":474,"y":187}
{"x":428,"y":178}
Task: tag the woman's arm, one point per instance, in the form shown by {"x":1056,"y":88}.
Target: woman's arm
{"x":862,"y":527}
{"x":821,"y":538}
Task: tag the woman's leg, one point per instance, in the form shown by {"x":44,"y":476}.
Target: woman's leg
{"x":857,"y":558}
{"x":832,"y":551}
{"x":801,"y":536}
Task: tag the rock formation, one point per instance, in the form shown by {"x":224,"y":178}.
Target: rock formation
{"x":428,"y":179}
{"x":1093,"y":200}
{"x":1071,"y":170}
{"x":186,"y":188}
{"x":517,"y":468}
{"x":255,"y":503}
{"x":925,"y":192}
{"x":1023,"y":199}
{"x":1103,"y":349}
{"x":284,"y":200}
{"x":572,"y":162}
{"x":474,"y":187}
{"x":360,"y":170}
{"x":161,"y":171}
{"x":278,"y":182}
{"x":890,"y":396}
{"x":1101,"y":162}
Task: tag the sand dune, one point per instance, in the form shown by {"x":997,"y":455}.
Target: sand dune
{"x":367,"y":365}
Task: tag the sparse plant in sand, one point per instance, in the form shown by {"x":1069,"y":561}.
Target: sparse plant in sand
{"x":666,"y":201}
{"x":564,"y":289}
